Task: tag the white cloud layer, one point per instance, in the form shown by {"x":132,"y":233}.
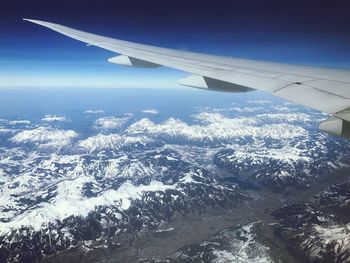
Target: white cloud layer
{"x":94,"y":111}
{"x":19,"y":122}
{"x":261,"y":102}
{"x":54,"y":118}
{"x":151,"y":111}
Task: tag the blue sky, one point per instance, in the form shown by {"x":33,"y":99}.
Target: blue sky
{"x":305,"y":32}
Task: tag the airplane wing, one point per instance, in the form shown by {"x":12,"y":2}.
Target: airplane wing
{"x":323,"y":89}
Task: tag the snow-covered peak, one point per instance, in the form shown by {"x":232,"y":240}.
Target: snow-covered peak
{"x":44,"y":137}
{"x":208,"y":117}
{"x":111,"y":123}
{"x":217,"y":128}
{"x":102,"y":142}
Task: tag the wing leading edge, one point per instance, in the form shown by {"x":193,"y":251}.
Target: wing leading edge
{"x":323,"y":89}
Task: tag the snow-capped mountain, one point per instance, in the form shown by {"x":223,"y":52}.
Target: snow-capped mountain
{"x":236,"y":244}
{"x":100,"y":181}
{"x":312,"y":234}
{"x":111,"y":123}
{"x":45,"y":137}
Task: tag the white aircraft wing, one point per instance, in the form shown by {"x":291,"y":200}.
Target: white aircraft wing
{"x":323,"y":89}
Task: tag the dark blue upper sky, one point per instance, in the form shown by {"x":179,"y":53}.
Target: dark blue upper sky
{"x":308,"y":32}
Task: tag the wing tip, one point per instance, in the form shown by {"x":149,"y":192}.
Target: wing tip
{"x":27,"y":19}
{"x":33,"y":21}
{"x":39,"y":22}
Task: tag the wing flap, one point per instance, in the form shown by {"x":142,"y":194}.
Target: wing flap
{"x":339,"y":88}
{"x":206,"y":83}
{"x":336,"y":126}
{"x":314,"y":98}
{"x":133,"y":62}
